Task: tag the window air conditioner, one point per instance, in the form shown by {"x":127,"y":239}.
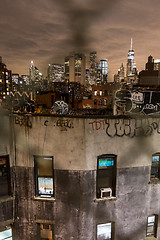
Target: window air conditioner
{"x":106,"y":192}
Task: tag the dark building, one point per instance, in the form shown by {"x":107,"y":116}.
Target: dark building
{"x":149,"y":76}
{"x":5,"y":81}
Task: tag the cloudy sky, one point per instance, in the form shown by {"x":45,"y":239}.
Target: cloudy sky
{"x":46,"y":30}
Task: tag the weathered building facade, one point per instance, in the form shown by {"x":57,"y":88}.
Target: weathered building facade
{"x":79,"y":178}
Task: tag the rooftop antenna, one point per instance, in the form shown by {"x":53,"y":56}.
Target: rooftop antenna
{"x":131,"y":43}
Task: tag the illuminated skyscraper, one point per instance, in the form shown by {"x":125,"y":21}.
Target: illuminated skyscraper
{"x":5,"y":81}
{"x":131,"y":73}
{"x":75,"y":68}
{"x":93,"y":68}
{"x":36,"y":78}
{"x":102,"y":72}
{"x":55,"y":73}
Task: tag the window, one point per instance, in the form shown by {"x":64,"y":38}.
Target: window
{"x":104,"y":231}
{"x":43,"y":167}
{"x":46,"y":231}
{"x":152,"y":226}
{"x":155,"y":168}
{"x":4,"y":176}
{"x":100,"y":93}
{"x":106,"y":176}
{"x":95,"y":92}
{"x":6,"y":233}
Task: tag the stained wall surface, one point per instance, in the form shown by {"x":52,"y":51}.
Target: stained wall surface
{"x":75,"y":143}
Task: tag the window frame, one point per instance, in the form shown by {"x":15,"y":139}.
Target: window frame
{"x":151,"y":175}
{"x":112,"y":229}
{"x":37,"y":194}
{"x":8,"y":175}
{"x":114,"y":178}
{"x":155,"y":226}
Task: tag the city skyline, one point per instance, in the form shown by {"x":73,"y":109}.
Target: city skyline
{"x":45,"y":32}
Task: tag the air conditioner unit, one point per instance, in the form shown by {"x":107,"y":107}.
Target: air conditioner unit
{"x":106,"y":192}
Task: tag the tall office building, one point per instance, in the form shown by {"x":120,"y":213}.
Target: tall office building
{"x":55,"y":73}
{"x":5,"y":81}
{"x":102,"y":72}
{"x":131,"y":72}
{"x":25,"y":79}
{"x":93,"y":68}
{"x":75,"y":68}
{"x":36,"y":78}
{"x":119,"y":77}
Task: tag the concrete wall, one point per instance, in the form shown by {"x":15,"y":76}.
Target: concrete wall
{"x":75,"y":144}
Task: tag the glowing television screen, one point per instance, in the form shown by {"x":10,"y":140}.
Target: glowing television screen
{"x":105,"y":162}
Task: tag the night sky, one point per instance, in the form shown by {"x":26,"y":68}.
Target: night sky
{"x":46,"y":30}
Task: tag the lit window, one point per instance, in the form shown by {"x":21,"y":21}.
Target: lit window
{"x":106,"y":176}
{"x":104,"y":231}
{"x":7,"y":93}
{"x":100,"y":93}
{"x":4,"y":176}
{"x":95,"y":92}
{"x":6,"y":234}
{"x":46,"y":231}
{"x":155,"y":168}
{"x":6,"y":81}
{"x":44,"y":176}
{"x":152,"y":226}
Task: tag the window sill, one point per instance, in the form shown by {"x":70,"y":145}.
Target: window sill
{"x":51,"y":199}
{"x":105,"y":199}
{"x":6,"y":199}
{"x":151,"y":238}
{"x":154,"y":181}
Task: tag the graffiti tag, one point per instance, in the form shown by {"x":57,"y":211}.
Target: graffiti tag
{"x":23,"y":121}
{"x":97,"y":125}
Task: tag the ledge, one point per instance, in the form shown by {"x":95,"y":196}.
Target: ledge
{"x":43,"y":221}
{"x":151,"y":238}
{"x":7,"y":222}
{"x":154,"y":181}
{"x":6,"y":199}
{"x":105,"y":199}
{"x":51,"y":199}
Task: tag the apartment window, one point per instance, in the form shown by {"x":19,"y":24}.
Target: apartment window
{"x":6,"y":233}
{"x":100,"y":93}
{"x":4,"y":176}
{"x":46,"y":231}
{"x":152,"y":226}
{"x":95,"y":92}
{"x":104,"y":231}
{"x":155,"y":168}
{"x":106,"y":176}
{"x":43,"y":167}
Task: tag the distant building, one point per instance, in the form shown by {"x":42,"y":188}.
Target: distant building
{"x":36,"y":78}
{"x":5,"y":81}
{"x":150,"y":76}
{"x":102,"y":72}
{"x":157,"y":64}
{"x":15,"y":77}
{"x":55,"y":73}
{"x":131,"y":71}
{"x":25,"y":79}
{"x":75,"y":68}
{"x":119,"y":77}
{"x":92,"y":68}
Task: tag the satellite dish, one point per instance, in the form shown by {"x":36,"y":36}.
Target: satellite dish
{"x":60,"y":107}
